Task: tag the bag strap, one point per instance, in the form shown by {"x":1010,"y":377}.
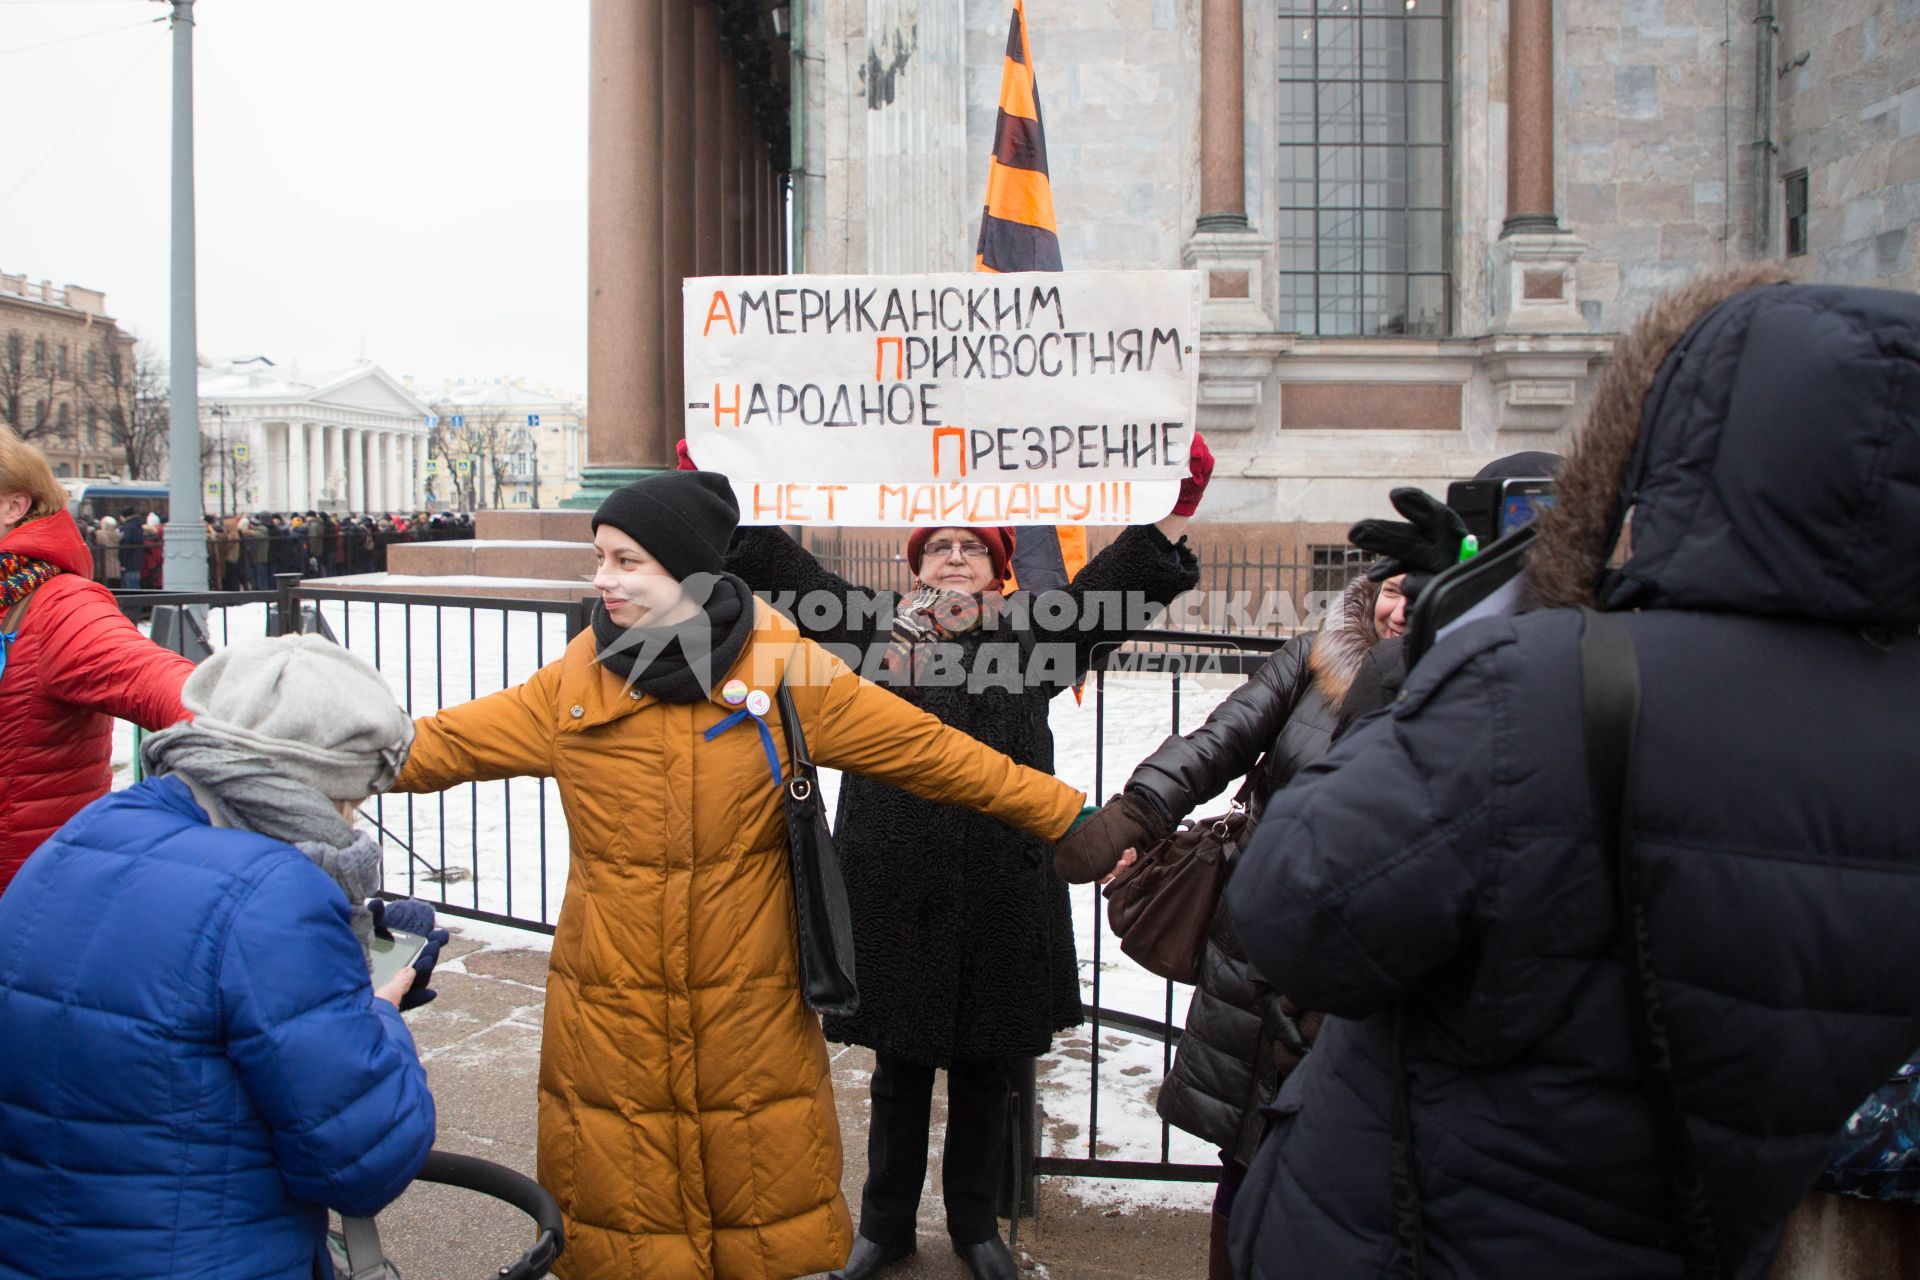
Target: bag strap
{"x":366,"y":1260}
{"x":17,"y":614}
{"x":802,"y":764}
{"x":1610,"y":709}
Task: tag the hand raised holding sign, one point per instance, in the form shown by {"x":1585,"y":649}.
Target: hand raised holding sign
{"x":1199,"y":473}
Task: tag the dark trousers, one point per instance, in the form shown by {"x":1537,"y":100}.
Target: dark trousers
{"x":897,"y":1148}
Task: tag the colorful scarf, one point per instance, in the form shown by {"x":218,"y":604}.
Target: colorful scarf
{"x":20,"y":576}
{"x":927,"y":616}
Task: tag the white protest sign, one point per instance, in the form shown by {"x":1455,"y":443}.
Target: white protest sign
{"x":962,"y":398}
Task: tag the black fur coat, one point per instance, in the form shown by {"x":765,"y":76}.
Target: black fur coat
{"x":963,"y":933}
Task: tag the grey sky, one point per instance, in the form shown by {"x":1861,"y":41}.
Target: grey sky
{"x":403,"y":177}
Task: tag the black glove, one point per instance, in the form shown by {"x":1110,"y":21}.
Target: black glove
{"x":1093,"y":846}
{"x":1426,"y":546}
{"x":410,"y":915}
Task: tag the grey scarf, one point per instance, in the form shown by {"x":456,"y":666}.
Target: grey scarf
{"x":242,"y":789}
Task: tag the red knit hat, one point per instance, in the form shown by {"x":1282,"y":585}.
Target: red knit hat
{"x":999,"y":540}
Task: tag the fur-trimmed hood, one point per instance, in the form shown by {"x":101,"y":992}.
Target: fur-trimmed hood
{"x":1766,"y":438}
{"x":1343,"y":640}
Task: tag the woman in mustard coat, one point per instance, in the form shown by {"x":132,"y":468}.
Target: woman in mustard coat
{"x":687,"y":1125}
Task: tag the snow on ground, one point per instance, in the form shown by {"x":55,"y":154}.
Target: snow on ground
{"x":501,"y":847}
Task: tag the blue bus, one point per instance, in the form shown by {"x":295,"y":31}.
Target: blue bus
{"x":96,"y":498}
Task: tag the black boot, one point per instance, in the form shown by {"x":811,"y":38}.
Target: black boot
{"x":870,"y":1259}
{"x":988,"y":1260}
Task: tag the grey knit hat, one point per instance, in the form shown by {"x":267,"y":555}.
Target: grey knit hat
{"x":324,"y":715}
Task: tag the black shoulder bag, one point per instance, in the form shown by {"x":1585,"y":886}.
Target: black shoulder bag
{"x":1610,"y":708}
{"x":823,"y":922}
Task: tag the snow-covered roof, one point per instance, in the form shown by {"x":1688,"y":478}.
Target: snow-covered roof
{"x":361,"y":386}
{"x":496,"y":395}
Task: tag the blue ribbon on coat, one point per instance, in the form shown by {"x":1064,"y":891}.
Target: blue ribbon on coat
{"x":766,"y":739}
{"x":6,"y":642}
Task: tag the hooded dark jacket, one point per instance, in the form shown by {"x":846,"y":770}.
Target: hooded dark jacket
{"x":1241,"y":1037}
{"x":963,"y":934}
{"x":1767,"y":440}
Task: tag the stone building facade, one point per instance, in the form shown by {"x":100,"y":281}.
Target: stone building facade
{"x":1423,"y":223}
{"x":528,"y":444}
{"x":66,"y":376}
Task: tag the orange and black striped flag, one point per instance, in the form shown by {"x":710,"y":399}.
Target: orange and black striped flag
{"x":1017,"y":233}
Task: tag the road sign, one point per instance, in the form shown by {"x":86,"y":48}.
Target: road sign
{"x":463,"y":466}
{"x":458,"y":420}
{"x":433,"y":467}
{"x":241,"y":453}
{"x":433,"y":420}
{"x":533,"y":419}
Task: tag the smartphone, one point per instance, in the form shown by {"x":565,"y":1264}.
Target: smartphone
{"x":393,"y":953}
{"x":1494,"y":508}
{"x":1521,"y":501}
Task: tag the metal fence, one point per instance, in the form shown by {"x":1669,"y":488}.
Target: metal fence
{"x":496,"y":851}
{"x":1243,"y":590}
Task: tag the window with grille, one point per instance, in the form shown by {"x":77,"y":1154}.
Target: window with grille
{"x":1364,"y":171}
{"x":1334,"y":567}
{"x":1796,"y":184}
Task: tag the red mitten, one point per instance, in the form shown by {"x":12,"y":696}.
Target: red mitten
{"x":1199,"y":471}
{"x":686,"y":460}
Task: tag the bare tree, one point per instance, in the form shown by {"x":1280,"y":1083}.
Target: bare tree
{"x":13,"y":382}
{"x":129,"y":395}
{"x":30,"y":388}
{"x":481,"y":440}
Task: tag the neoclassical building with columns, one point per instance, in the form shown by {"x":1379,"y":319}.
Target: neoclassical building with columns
{"x":342,"y":440}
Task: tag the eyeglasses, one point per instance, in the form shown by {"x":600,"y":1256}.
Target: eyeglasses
{"x":941,"y":550}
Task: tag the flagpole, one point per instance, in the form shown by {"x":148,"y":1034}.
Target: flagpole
{"x":186,"y":535}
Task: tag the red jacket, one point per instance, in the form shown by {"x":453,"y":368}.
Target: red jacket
{"x":77,"y":665}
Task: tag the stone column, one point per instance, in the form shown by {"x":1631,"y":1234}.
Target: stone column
{"x":377,"y":457}
{"x":356,"y":493}
{"x":333,"y":458}
{"x":684,"y":144}
{"x":709,"y":192}
{"x":1529,"y":118}
{"x":1223,"y":170}
{"x":298,"y":479}
{"x":317,"y":464}
{"x":625,"y":298}
{"x":726,"y":149}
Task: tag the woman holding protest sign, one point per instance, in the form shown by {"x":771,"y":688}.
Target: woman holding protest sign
{"x":687,"y":1125}
{"x":963,"y":933}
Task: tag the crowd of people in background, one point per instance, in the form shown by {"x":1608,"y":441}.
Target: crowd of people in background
{"x":246,"y":551}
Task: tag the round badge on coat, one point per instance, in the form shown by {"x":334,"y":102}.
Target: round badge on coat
{"x":734,"y":692}
{"x":758,"y":702}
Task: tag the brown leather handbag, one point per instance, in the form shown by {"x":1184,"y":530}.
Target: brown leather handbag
{"x":1162,"y":906}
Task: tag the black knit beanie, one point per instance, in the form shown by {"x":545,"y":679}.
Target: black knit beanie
{"x":684,"y":519}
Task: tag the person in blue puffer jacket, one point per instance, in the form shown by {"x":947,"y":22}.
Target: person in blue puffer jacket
{"x":196,"y":1066}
